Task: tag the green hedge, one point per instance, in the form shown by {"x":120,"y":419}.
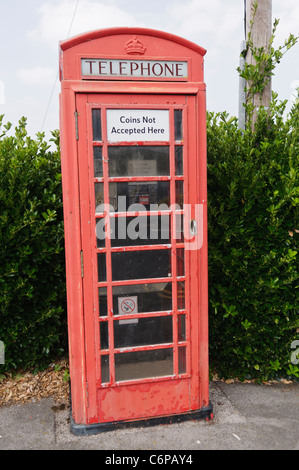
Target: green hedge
{"x":32,"y":281}
{"x":253,"y":195}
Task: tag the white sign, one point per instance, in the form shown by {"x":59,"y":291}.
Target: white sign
{"x":130,"y":125}
{"x":134,"y":68}
{"x":126,"y":306}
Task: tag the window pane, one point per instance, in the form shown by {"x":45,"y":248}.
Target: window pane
{"x":181,"y":295}
{"x":104,"y":338}
{"x":105,"y":370}
{"x":96,"y":125}
{"x":178,"y":128}
{"x":179,"y":160}
{"x":139,"y":230}
{"x":103,"y":308}
{"x":101,"y":232}
{"x":180,"y":261}
{"x":182,"y":360}
{"x":102,"y":267}
{"x":134,"y":231}
{"x":141,"y":264}
{"x":143,"y":364}
{"x":99,"y":197}
{"x":144,"y":331}
{"x":129,"y":194}
{"x":138,"y":161}
{"x":181,"y":327}
{"x":179,"y":228}
{"x":179,"y":193}
{"x":97,"y":162}
{"x":149,"y":297}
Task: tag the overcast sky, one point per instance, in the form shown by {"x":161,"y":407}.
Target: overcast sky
{"x":30,"y":32}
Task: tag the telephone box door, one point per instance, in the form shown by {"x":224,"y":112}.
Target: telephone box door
{"x":141,"y":231}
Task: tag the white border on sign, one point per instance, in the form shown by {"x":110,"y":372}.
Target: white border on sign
{"x":131,"y":125}
{"x":126,"y":306}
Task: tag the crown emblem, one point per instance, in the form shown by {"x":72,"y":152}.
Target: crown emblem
{"x":134,"y":46}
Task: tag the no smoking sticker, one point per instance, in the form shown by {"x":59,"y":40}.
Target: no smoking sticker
{"x":127,"y":306}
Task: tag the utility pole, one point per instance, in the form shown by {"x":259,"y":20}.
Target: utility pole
{"x":242,"y":94}
{"x":261,"y":32}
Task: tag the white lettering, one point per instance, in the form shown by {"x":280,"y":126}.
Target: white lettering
{"x":116,"y":460}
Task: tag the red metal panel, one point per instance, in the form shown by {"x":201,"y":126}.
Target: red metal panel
{"x":157,"y":44}
{"x":193,"y":275}
{"x":127,"y":88}
{"x":90,"y":317}
{"x":72,"y":224}
{"x":203,"y":256}
{"x":155,"y":399}
{"x":93,"y":35}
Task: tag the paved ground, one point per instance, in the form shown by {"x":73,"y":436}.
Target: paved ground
{"x":247,"y":416}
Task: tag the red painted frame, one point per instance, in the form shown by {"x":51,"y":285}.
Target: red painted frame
{"x":93,"y":402}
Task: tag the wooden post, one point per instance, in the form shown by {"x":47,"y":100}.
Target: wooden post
{"x":261,"y":32}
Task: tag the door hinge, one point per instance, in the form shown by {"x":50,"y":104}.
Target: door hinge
{"x":76,"y":124}
{"x":82,"y":266}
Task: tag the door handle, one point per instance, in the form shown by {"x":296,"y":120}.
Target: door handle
{"x":193,"y":228}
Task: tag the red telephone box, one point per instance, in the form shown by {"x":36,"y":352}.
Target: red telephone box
{"x":133,"y":144}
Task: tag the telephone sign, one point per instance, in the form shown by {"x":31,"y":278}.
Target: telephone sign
{"x":133,"y":68}
{"x":133,"y":146}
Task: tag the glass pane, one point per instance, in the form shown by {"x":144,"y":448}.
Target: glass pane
{"x":182,"y":360}
{"x":96,"y":125}
{"x":138,"y":161}
{"x":179,"y":160}
{"x":102,"y":267}
{"x":144,"y":331}
{"x":180,"y":261}
{"x":143,"y":364}
{"x":181,"y":295}
{"x":104,"y":338}
{"x":178,"y":128}
{"x":148,"y":297}
{"x":140,"y":230}
{"x":113,"y":196}
{"x":127,"y":195}
{"x":101,"y":232}
{"x":99,"y":197}
{"x":132,"y":231}
{"x":141,"y":264}
{"x":105,"y":369}
{"x":181,"y":327}
{"x":103,"y":306}
{"x":179,"y":228}
{"x":179,"y":193}
{"x":97,"y":162}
